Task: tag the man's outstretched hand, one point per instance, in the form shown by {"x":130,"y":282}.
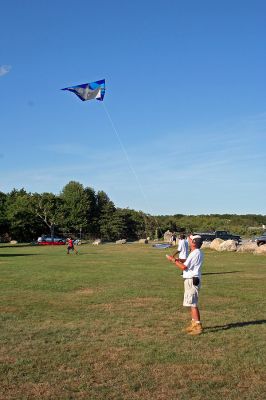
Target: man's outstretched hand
{"x":170,"y":258}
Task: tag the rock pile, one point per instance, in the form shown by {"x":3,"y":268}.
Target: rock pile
{"x":248,"y":247}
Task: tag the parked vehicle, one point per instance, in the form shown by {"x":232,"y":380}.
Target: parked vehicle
{"x":260,"y":240}
{"x":224,"y":235}
{"x":46,"y":240}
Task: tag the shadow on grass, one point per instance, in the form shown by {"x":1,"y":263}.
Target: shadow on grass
{"x":18,"y":255}
{"x":220,"y":273}
{"x":12,"y":246}
{"x":234,"y":325}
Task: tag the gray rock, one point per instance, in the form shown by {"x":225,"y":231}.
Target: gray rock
{"x":121,"y":241}
{"x":206,"y":245}
{"x":261,"y":250}
{"x":248,"y":247}
{"x":228,"y":245}
{"x":215,"y":244}
{"x":145,"y":241}
{"x":97,"y":242}
{"x":167,"y":236}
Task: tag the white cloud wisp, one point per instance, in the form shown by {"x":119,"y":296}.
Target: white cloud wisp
{"x":4,"y":69}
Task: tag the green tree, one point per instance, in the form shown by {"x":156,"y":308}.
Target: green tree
{"x":48,"y":207}
{"x":113,"y":224}
{"x":24,"y":226}
{"x":92,"y":212}
{"x":135,"y":224}
{"x":75,"y":206}
{"x":4,"y":224}
{"x":105,"y":210}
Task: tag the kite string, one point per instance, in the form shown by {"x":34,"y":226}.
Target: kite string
{"x":124,"y":151}
{"x":128,"y":160}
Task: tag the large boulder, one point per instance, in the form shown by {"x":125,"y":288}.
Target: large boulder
{"x":206,"y":245}
{"x":13,"y":242}
{"x":167,"y":236}
{"x":121,"y":241}
{"x":248,"y":247}
{"x":145,"y":241}
{"x":261,"y":250}
{"x":97,"y":242}
{"x":228,"y":245}
{"x":215,"y":244}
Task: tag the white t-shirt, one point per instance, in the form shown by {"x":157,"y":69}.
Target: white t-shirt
{"x":182,"y":248}
{"x":193,"y":264}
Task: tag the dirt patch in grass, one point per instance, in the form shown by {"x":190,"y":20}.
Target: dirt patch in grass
{"x":85,"y":291}
{"x":142,"y":301}
{"x":8,"y":309}
{"x":117,"y":354}
{"x":254,"y":379}
{"x":142,"y":332}
{"x":137,"y":302}
{"x":103,"y":306}
{"x":7,"y":359}
{"x":29,"y":391}
{"x":221,"y":300}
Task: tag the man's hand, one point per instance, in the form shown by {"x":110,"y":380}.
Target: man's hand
{"x":176,"y":261}
{"x":180,"y":265}
{"x":170,"y":258}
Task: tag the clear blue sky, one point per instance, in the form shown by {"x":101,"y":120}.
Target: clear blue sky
{"x":185,"y":89}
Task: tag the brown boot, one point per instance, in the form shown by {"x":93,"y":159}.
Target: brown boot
{"x":190,"y":327}
{"x":196,"y":330}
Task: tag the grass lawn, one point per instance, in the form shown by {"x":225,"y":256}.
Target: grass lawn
{"x":106,"y":324}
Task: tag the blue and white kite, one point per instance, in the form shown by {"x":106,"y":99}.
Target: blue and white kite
{"x":89,"y":91}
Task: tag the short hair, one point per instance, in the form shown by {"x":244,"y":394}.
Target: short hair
{"x":182,"y":236}
{"x":198,"y":242}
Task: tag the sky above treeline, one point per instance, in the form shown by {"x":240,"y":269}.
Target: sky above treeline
{"x":183,"y":123}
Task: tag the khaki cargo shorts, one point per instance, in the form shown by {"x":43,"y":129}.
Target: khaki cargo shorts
{"x":191,"y":293}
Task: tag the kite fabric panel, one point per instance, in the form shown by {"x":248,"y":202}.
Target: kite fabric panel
{"x":89,"y":91}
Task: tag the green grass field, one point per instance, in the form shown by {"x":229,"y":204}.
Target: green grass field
{"x":106,"y":324}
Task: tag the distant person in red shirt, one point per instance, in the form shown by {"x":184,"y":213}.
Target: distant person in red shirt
{"x":70,"y":246}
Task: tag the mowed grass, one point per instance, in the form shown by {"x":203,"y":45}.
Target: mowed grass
{"x":107,"y":324}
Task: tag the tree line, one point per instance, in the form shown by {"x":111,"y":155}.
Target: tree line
{"x":82,"y":212}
